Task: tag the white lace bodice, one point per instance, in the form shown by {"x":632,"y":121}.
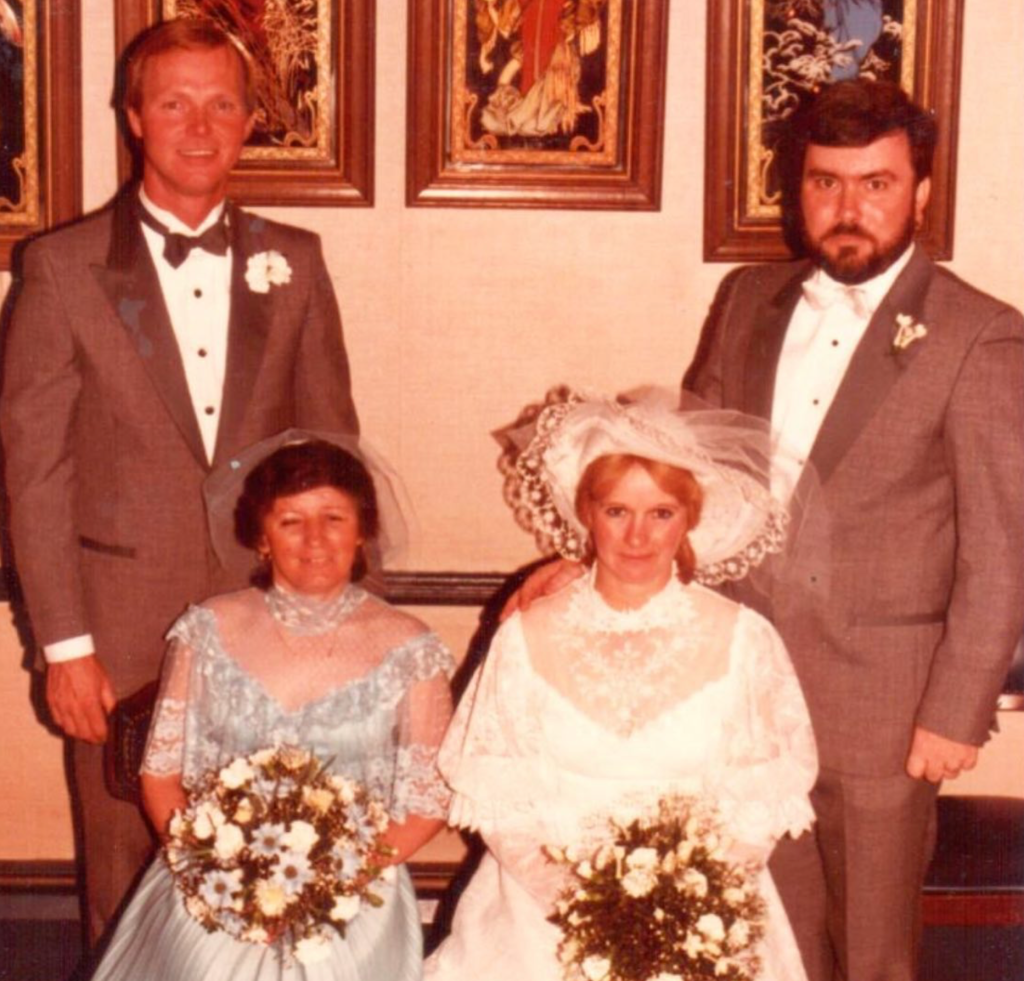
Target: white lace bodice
{"x":355,"y":681}
{"x":581,"y":711}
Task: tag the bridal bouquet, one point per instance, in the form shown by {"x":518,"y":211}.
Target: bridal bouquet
{"x":659,"y":901}
{"x":274,"y":848}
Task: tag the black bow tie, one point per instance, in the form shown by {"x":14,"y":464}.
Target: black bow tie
{"x":177,"y":246}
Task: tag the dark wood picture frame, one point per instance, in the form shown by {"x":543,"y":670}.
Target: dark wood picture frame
{"x":337,"y":168}
{"x":448,"y":162}
{"x":737,"y":226}
{"x":46,"y":161}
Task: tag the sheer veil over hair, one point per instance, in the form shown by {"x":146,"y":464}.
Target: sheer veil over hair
{"x":748,"y":496}
{"x":224,"y":485}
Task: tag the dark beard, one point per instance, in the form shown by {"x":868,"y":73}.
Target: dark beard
{"x":854,"y":271}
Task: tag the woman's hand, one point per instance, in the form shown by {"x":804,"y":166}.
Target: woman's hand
{"x":412,"y":834}
{"x":161,"y":797}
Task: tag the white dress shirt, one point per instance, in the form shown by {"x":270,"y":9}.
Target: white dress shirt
{"x":828,"y":323}
{"x":198,"y":299}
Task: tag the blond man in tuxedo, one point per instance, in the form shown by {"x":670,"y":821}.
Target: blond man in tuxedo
{"x":148,"y":342}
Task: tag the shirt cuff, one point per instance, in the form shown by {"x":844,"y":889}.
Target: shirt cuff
{"x":70,"y":649}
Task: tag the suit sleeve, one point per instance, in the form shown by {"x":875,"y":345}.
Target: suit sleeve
{"x":704,"y":376}
{"x":323,"y":381}
{"x":984,"y":441}
{"x":42,"y":381}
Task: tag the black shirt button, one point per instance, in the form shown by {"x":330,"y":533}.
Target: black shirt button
{"x":209,"y":410}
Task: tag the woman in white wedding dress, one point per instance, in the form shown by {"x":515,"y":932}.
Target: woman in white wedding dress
{"x":632,"y":683}
{"x":310,"y":660}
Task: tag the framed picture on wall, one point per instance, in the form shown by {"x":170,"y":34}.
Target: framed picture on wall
{"x":548,"y":104}
{"x":766,"y":57}
{"x":40,"y":121}
{"x":313,"y":139}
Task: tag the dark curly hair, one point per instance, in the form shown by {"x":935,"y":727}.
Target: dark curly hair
{"x":300,"y":467}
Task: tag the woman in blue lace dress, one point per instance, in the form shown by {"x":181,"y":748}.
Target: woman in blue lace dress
{"x":306,"y":658}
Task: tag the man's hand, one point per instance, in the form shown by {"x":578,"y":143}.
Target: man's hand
{"x":934,"y":757}
{"x":542,"y":582}
{"x":80,"y":697}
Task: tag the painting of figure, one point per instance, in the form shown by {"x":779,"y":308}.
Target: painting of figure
{"x":536,"y":75}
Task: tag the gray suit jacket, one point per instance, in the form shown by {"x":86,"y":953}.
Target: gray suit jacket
{"x":104,"y":460}
{"x":911,"y":615}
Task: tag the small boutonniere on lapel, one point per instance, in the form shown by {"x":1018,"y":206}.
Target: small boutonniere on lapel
{"x":907,"y":332}
{"x":266,"y":269}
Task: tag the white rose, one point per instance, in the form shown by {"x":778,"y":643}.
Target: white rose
{"x":177,"y":826}
{"x":209,"y":817}
{"x":311,"y":950}
{"x":344,"y":789}
{"x":244,"y":812}
{"x":693,"y":945}
{"x":733,"y":895}
{"x":228,"y":842}
{"x":267,"y":269}
{"x":271,"y":899}
{"x":739,"y":935}
{"x":711,"y":925}
{"x":319,"y":798}
{"x":236,"y":774}
{"x":645,"y":859}
{"x":300,"y":837}
{"x":345,"y":907}
{"x":262,"y":757}
{"x":639,"y":882}
{"x":596,"y":968}
{"x":695,"y":883}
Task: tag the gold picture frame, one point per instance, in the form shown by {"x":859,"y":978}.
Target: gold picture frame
{"x":549,"y":105}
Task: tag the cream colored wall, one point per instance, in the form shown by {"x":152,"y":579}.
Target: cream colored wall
{"x":455,"y":319}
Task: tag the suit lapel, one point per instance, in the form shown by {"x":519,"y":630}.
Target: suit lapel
{"x":772,"y":318}
{"x":248,"y":327}
{"x":874,"y":368}
{"x":130,"y":282}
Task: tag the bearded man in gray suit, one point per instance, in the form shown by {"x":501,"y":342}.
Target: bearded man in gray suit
{"x":149,"y":342}
{"x":904,"y":389}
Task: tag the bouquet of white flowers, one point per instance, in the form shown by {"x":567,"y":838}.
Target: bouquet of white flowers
{"x":660,"y":901}
{"x":274,"y":848}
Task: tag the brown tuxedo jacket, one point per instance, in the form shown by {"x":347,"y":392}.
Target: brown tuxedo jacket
{"x":104,"y":460}
{"x":911,"y":611}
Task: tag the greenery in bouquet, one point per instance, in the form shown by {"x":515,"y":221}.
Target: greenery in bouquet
{"x":274,"y":848}
{"x":659,"y":900}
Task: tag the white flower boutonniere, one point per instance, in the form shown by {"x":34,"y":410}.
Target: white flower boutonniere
{"x":907,"y":332}
{"x":266,"y":269}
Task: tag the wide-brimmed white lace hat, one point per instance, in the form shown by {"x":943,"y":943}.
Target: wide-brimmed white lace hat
{"x":549,"y":447}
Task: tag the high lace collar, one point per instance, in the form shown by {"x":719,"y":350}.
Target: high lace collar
{"x":671,"y":607}
{"x":307,"y":615}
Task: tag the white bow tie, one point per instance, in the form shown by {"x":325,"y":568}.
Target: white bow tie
{"x":823,"y":293}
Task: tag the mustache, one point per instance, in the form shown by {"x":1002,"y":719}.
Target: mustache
{"x":846,"y":228}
